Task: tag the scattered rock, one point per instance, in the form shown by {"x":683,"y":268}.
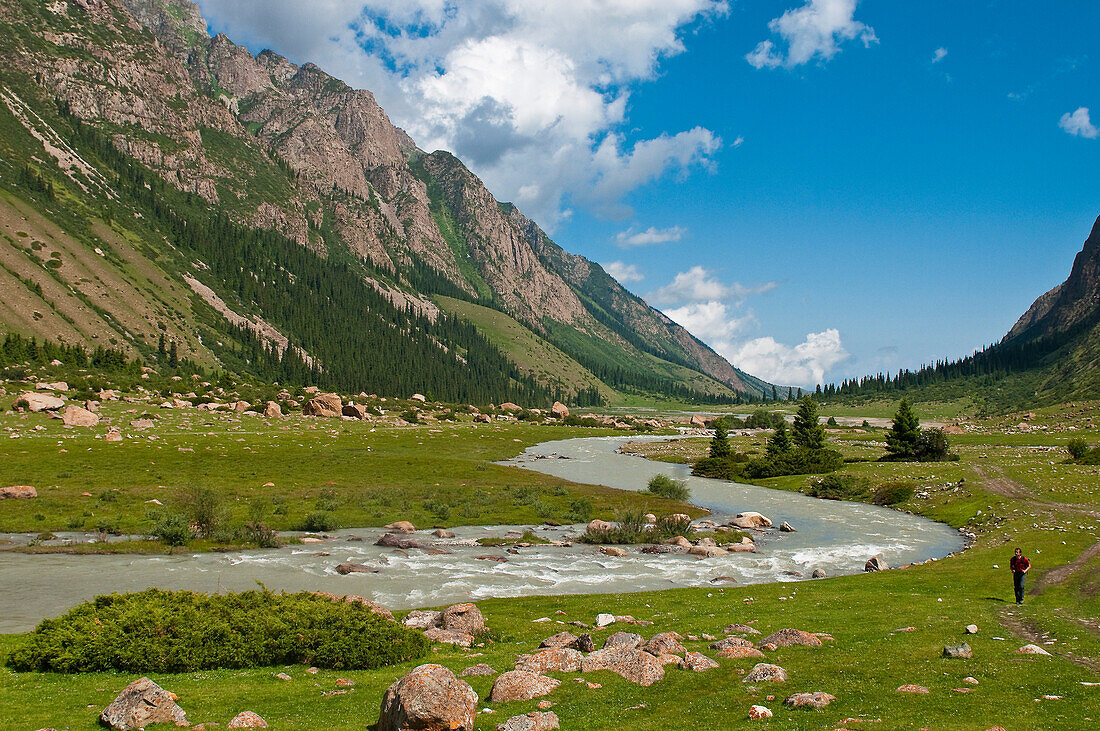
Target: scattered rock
{"x":634,"y":665}
{"x":479,"y":669}
{"x":787,"y":527}
{"x":392,"y":540}
{"x":818,"y":574}
{"x":707,"y":551}
{"x":739,"y":629}
{"x":603,"y":620}
{"x":598,"y":525}
{"x":272,"y":410}
{"x":971,"y":629}
{"x":355,"y":411}
{"x":665,"y":643}
{"x":247,"y":719}
{"x":697,"y":662}
{"x":18,"y":492}
{"x":283,"y":676}
{"x":613,"y":551}
{"x":1031,"y":650}
{"x":38,"y":402}
{"x":463,"y":618}
{"x":449,"y":637}
{"x":142,"y":703}
{"x":557,"y":659}
{"x":813,"y":700}
{"x":623,"y":639}
{"x":534,"y":721}
{"x":763,"y":672}
{"x":962,"y":651}
{"x":76,"y":416}
{"x":750,"y":519}
{"x":325,"y":404}
{"x":757,"y":713}
{"x":910,"y":688}
{"x":520,"y":685}
{"x":559,"y":410}
{"x":561,"y":639}
{"x":443,"y":533}
{"x":876,"y":563}
{"x":789,"y":637}
{"x":511,"y":407}
{"x":429,"y":697}
{"x":970,"y":680}
{"x":728,"y":642}
{"x":355,"y":568}
{"x":423,"y":619}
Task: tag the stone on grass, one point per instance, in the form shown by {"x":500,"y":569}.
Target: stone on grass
{"x":970,"y":680}
{"x":38,"y":402}
{"x":739,"y":629}
{"x":911,"y":688}
{"x":697,"y":662}
{"x":603,"y":620}
{"x":635,"y":665}
{"x":430,"y":698}
{"x":142,"y":703}
{"x":463,"y":618}
{"x":734,"y":653}
{"x":789,"y":637}
{"x":561,"y":639}
{"x":729,"y":642}
{"x":76,"y":416}
{"x":423,"y":619}
{"x":962,"y":651}
{"x":757,"y":713}
{"x":325,"y":404}
{"x":401,"y":526}
{"x":623,"y":639}
{"x":818,"y":574}
{"x":557,"y":659}
{"x":534,"y":721}
{"x":972,"y":629}
{"x":449,"y":637}
{"x":665,"y":643}
{"x":812,"y":700}
{"x":272,"y":410}
{"x":763,"y":672}
{"x":520,"y":685}
{"x":876,"y":563}
{"x":247,"y":719}
{"x":479,"y":669}
{"x":18,"y":492}
{"x":1031,"y":650}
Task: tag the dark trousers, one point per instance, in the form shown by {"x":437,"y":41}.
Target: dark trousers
{"x":1018,"y":584}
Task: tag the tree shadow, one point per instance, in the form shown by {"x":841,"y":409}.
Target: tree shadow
{"x":996,"y":599}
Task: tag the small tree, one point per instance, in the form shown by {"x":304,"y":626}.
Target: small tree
{"x":807,"y":433}
{"x":901,"y":440}
{"x":780,"y":443}
{"x":1077,"y":448}
{"x":720,"y":443}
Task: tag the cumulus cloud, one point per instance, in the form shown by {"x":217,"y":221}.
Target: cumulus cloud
{"x":1079,"y":124}
{"x":652,"y":235}
{"x":699,"y":285}
{"x":624,"y":273}
{"x":531,"y":95}
{"x":804,"y":364}
{"x":711,"y":322}
{"x":815,"y":30}
{"x":939,"y":54}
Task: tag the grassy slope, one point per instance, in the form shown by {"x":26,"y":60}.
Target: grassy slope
{"x":864,"y":665}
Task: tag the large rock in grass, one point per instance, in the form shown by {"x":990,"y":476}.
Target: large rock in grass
{"x":37,"y":402}
{"x":811,"y":700}
{"x":628,"y":640}
{"x":559,"y":410}
{"x":557,"y":659}
{"x":697,"y":662}
{"x":561,"y":639}
{"x":18,"y":492}
{"x":728,"y":642}
{"x":534,"y":721}
{"x":142,"y":703}
{"x":876,"y":563}
{"x":76,"y":416}
{"x":355,"y":411}
{"x":463,"y":618}
{"x":665,"y":643}
{"x":247,"y":719}
{"x":736,"y":653}
{"x":272,"y":410}
{"x":789,"y":637}
{"x":324,"y":404}
{"x":423,"y":619}
{"x":637,"y":666}
{"x":430,"y":698}
{"x":962,"y":651}
{"x":520,"y":685}
{"x":763,"y":672}
{"x":449,"y":637}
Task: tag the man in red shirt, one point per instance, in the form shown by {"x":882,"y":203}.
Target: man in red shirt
{"x":1020,"y":566}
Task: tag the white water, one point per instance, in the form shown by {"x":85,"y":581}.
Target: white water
{"x":835,"y":536}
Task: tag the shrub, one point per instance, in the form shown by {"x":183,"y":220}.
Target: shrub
{"x":831,"y":421}
{"x":318,"y":521}
{"x":1077,"y":448}
{"x":171,"y":528}
{"x":580,"y":510}
{"x":669,"y":526}
{"x":799,"y":461}
{"x":893,"y":492}
{"x":932,"y":446}
{"x":665,"y":486}
{"x":764,"y":419}
{"x":840,"y":487}
{"x":721,"y":468}
{"x":157,"y":631}
{"x":630,"y":527}
{"x":260,"y":534}
{"x":204,"y":508}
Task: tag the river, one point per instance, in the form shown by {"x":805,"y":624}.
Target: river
{"x":835,"y":536}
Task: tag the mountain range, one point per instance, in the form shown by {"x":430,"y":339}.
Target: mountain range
{"x":159,"y":184}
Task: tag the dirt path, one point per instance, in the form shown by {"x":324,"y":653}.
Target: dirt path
{"x":1031,"y":633}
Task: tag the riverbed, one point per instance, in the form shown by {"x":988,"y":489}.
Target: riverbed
{"x":837,"y":537}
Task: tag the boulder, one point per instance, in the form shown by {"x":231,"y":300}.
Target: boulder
{"x":1031,"y":650}
{"x":813,"y":700}
{"x":739,"y":629}
{"x":402,"y":526}
{"x":559,"y":410}
{"x":614,"y":551}
{"x":54,"y":386}
{"x":37,"y":402}
{"x":272,"y":410}
{"x":479,"y":669}
{"x":730,"y":642}
{"x":520,"y":685}
{"x":355,"y":411}
{"x":661,"y":548}
{"x":603,"y":619}
{"x":757,"y":713}
{"x":561,"y":639}
{"x":241,"y":406}
{"x":511,"y":407}
{"x":463,"y":618}
{"x":354,"y":568}
{"x":707,"y":551}
{"x":698,"y":422}
{"x":18,"y":492}
{"x":745,"y":546}
{"x":423,"y":619}
{"x":449,"y":637}
{"x":430,"y":698}
{"x":623,"y":639}
{"x":142,"y":703}
{"x":76,"y":416}
{"x":599,"y":525}
{"x":750,"y":519}
{"x":789,"y":637}
{"x":247,"y":719}
{"x":636,"y":666}
{"x":679,"y":541}
{"x":763,"y":672}
{"x":483,"y":419}
{"x":533,"y":721}
{"x":971,"y":629}
{"x":390,"y":540}
{"x":697,"y":662}
{"x":962,"y":651}
{"x":443,"y":533}
{"x":113,"y":435}
{"x":324,"y":404}
{"x":736,"y":653}
{"x":876,"y":563}
{"x":418,"y":397}
{"x":556,"y":659}
{"x":910,"y":688}
{"x":786,"y":527}
{"x":665,"y":643}
{"x":818,"y":574}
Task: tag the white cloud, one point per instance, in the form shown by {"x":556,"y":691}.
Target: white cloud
{"x":652,"y":235}
{"x":624,"y":273}
{"x":814,"y":30}
{"x":804,"y":364}
{"x":739,"y":141}
{"x":530,"y":95}
{"x":698,"y":285}
{"x":1079,"y":124}
{"x":710,"y":321}
{"x":939,"y":54}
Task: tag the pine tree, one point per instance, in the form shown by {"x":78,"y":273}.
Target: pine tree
{"x":807,"y":433}
{"x":780,"y":443}
{"x":173,"y":356}
{"x":901,"y":440}
{"x":720,"y":443}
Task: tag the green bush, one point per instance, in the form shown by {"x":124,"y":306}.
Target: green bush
{"x":318,"y":522}
{"x":174,"y":529}
{"x":893,"y":492}
{"x":840,"y":487}
{"x":157,"y":631}
{"x":631,"y":528}
{"x":721,"y":468}
{"x":764,"y":419}
{"x":1077,"y":448}
{"x":665,"y":486}
{"x":799,"y":461}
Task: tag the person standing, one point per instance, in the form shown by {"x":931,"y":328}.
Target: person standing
{"x":1020,"y":566}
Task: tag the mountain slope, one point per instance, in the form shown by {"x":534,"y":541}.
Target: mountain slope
{"x":98,"y":91}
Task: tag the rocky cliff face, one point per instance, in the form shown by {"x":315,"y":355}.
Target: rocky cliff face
{"x":1074,"y":303}
{"x":287,"y":147}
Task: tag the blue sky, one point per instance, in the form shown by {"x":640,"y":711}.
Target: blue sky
{"x":818,"y":189}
